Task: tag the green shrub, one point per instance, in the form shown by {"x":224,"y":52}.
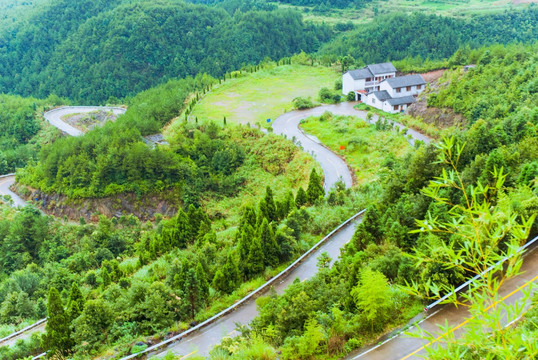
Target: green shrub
{"x":301,"y":103}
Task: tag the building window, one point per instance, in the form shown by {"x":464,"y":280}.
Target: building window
{"x":395,"y":107}
{"x":419,"y":87}
{"x":368,"y":79}
{"x":398,"y":90}
{"x":408,"y":88}
{"x":373,"y":101}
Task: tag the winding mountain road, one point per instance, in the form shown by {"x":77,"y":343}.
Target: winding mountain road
{"x":333,"y":166}
{"x":55,"y":116}
{"x":5,"y":184}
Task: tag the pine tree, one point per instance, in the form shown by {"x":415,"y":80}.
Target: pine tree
{"x":105,"y":277}
{"x":204,"y":284}
{"x":245,"y":241}
{"x":57,"y":337}
{"x":75,"y":303}
{"x":193,"y":293}
{"x":269,"y":246}
{"x":301,"y":199}
{"x":270,"y":202}
{"x":177,"y":232}
{"x":315,"y":188}
{"x":229,"y":278}
{"x":195,"y":220}
{"x":255,"y":258}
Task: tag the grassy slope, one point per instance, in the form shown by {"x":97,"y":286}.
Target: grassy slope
{"x":441,"y":7}
{"x":365,"y":147}
{"x":263,"y":95}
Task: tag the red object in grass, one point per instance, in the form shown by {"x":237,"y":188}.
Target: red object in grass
{"x":342,"y":147}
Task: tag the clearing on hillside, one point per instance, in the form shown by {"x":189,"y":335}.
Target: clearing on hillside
{"x":266,"y":94}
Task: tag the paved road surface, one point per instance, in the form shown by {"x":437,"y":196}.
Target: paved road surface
{"x":55,"y":116}
{"x":405,"y":347}
{"x":5,"y":183}
{"x":333,"y":166}
{"x":24,"y":335}
{"x":201,"y":342}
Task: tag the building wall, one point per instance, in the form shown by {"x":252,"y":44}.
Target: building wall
{"x":348,"y":84}
{"x":404,"y":92}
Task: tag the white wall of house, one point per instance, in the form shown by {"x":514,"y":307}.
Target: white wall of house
{"x":404,"y":91}
{"x":371,"y":100}
{"x":349,"y":84}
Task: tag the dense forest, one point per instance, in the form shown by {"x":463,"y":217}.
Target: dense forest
{"x":395,"y":37}
{"x":99,"y":51}
{"x":19,"y":128}
{"x":112,"y":49}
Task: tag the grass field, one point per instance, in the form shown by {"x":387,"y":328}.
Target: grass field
{"x":366,"y":149}
{"x":456,"y":8}
{"x":263,"y":95}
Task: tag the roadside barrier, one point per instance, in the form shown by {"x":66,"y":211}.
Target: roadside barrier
{"x":15,"y":334}
{"x":6,"y":175}
{"x":250,"y":296}
{"x":467,"y":283}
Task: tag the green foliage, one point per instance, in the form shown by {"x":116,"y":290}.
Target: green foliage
{"x":301,"y":103}
{"x":135,"y":41}
{"x":315,"y":188}
{"x":479,"y":234}
{"x":57,"y":339}
{"x":329,"y":97}
{"x":399,"y":36}
{"x":301,"y":198}
{"x":372,"y":296}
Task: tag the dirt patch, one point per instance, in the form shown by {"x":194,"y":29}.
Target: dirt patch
{"x":89,"y":209}
{"x":87,"y":121}
{"x":433,"y":76}
{"x":440,"y":118}
{"x":517,"y":2}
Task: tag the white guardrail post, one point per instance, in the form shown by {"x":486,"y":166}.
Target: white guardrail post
{"x":259,"y":290}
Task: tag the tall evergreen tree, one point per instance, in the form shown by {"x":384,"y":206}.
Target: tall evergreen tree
{"x":75,"y":303}
{"x":204,"y":284}
{"x":301,"y":198}
{"x":245,"y":241}
{"x":105,"y":277}
{"x":227,"y":279}
{"x":315,"y":188}
{"x":57,"y":337}
{"x":255,"y":258}
{"x":193,"y":293}
{"x":270,"y":202}
{"x":270,"y":248}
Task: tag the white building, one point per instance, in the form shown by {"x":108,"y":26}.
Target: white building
{"x":378,"y":86}
{"x":367,"y":79}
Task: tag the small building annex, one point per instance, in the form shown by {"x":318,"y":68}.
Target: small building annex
{"x":383,"y":89}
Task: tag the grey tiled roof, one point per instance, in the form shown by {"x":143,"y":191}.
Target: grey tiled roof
{"x":381,"y":68}
{"x":401,"y":100}
{"x":409,"y":80}
{"x":360,"y":74}
{"x":381,"y":95}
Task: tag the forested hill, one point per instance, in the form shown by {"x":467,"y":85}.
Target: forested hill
{"x":98,"y":49}
{"x":397,"y":36}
